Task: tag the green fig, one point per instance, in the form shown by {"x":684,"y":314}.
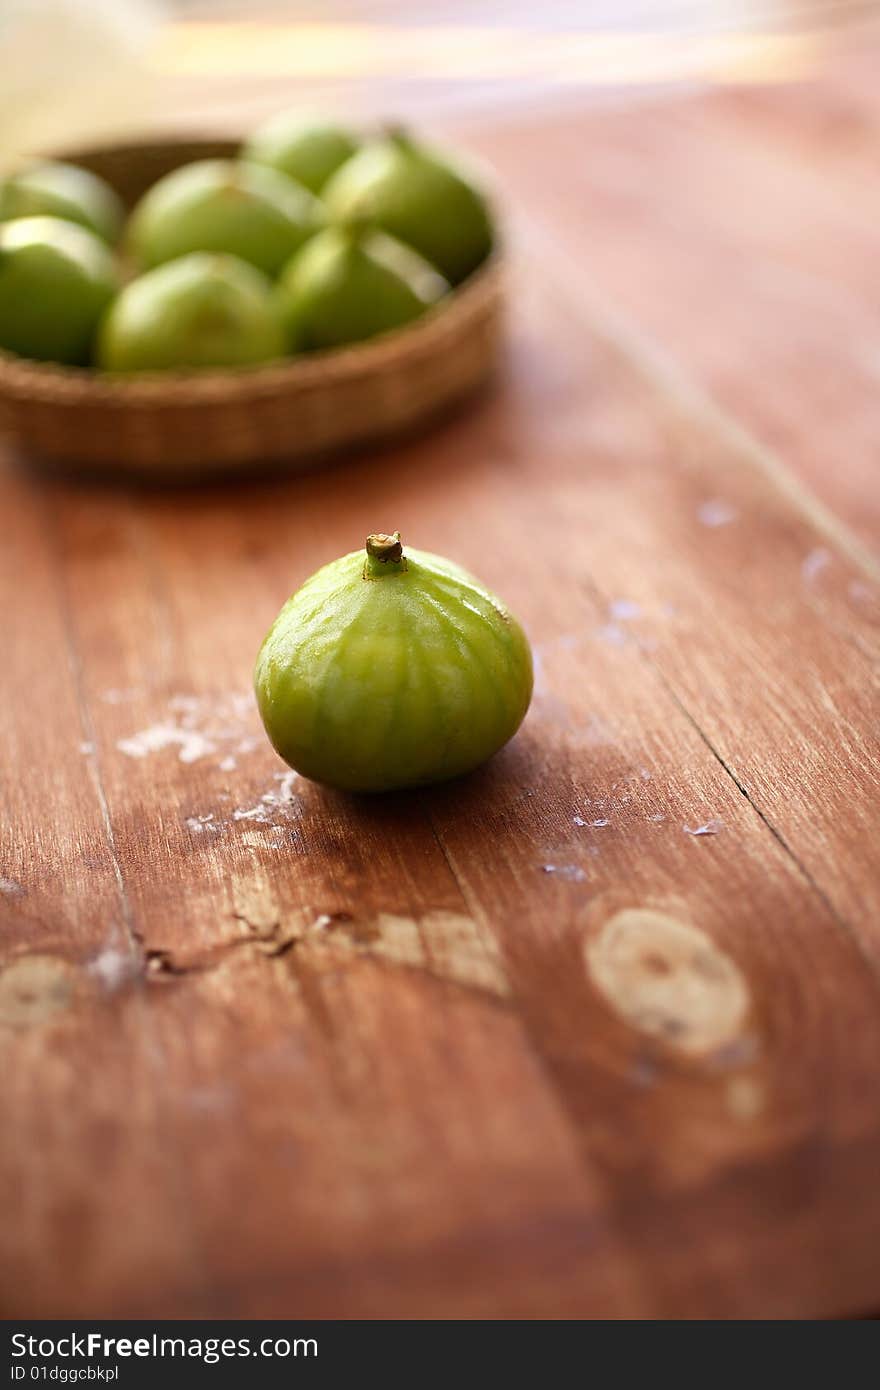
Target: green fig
{"x":66,"y":191}
{"x":199,"y":311}
{"x":416,"y":196}
{"x":388,"y":670}
{"x":306,"y":148}
{"x":241,"y":209}
{"x":350,"y":283}
{"x":56,"y":280}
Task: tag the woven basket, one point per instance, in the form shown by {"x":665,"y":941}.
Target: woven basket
{"x":195,"y":424}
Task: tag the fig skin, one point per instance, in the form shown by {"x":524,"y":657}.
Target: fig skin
{"x":419,"y":197}
{"x":306,"y":148}
{"x":53,"y":189}
{"x":387,"y":673}
{"x":200,"y":311}
{"x":56,"y":280}
{"x":349,"y":284}
{"x":220,"y":205}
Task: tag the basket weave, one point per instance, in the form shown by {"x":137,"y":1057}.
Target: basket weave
{"x":195,"y":424}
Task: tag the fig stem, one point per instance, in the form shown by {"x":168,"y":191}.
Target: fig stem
{"x":398,"y":134}
{"x":357,"y":225}
{"x":384,"y":555}
{"x":383,"y":546}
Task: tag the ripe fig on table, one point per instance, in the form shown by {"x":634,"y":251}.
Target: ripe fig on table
{"x":392,"y":669}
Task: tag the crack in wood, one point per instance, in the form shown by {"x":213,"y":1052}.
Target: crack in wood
{"x":445,"y":945}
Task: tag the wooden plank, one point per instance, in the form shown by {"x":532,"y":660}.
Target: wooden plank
{"x":751,"y":259}
{"x":337,"y":1120}
{"x":47,"y":880}
{"x":528,"y":1044}
{"x":666,"y":659}
{"x":674,"y":1132}
{"x":762,"y":701}
{"x":81,"y":1141}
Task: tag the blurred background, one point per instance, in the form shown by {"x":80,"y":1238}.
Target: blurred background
{"x":80,"y":69}
{"x":710,"y":164}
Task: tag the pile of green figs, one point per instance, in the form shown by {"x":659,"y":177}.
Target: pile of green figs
{"x":312,"y":238}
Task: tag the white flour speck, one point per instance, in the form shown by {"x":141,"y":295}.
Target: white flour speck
{"x":716,"y":512}
{"x":568,"y":871}
{"x":199,"y":824}
{"x":711,"y":827}
{"x":11,"y":887}
{"x":114,"y":967}
{"x":623,"y":610}
{"x":661,"y":815}
{"x":276,"y":801}
{"x":191,"y":743}
{"x":814,"y":563}
{"x":86,"y":747}
{"x":199,"y":725}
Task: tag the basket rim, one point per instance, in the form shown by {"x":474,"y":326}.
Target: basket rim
{"x":53,"y":380}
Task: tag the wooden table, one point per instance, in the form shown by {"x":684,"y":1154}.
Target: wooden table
{"x":596,"y":1031}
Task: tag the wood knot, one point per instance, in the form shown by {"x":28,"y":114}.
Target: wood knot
{"x":32,"y":988}
{"x":668,"y":979}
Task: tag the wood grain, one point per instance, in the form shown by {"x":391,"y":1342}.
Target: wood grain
{"x":747,"y":251}
{"x":592,"y":1032}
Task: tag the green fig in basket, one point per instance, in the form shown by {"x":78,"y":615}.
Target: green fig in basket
{"x":63,"y":190}
{"x":388,"y":670}
{"x":197,"y":312}
{"x":415,"y":195}
{"x":220,"y":205}
{"x":56,"y":280}
{"x":306,"y":148}
{"x":350,"y":283}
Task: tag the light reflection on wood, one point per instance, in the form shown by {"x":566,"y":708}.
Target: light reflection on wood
{"x":475,"y":53}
